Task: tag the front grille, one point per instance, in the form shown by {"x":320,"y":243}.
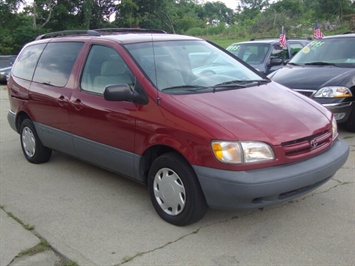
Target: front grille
{"x":308,"y":144}
{"x":307,"y":93}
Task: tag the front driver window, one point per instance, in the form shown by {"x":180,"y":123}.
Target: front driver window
{"x":104,"y":66}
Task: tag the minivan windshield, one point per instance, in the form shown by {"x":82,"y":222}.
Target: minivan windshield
{"x":333,"y":51}
{"x":191,"y":67}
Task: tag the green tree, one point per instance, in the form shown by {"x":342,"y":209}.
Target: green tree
{"x":334,"y":8}
{"x":255,"y":4}
{"x":218,"y":11}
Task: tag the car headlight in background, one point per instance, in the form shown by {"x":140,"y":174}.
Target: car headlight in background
{"x":242,"y":151}
{"x":334,"y":128}
{"x":333,"y":92}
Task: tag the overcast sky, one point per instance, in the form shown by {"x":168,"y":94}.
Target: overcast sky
{"x":232,"y":4}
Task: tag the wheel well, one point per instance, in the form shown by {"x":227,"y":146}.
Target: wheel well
{"x":150,"y":155}
{"x":19,"y":118}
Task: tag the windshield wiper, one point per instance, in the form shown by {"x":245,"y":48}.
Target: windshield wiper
{"x":47,"y":83}
{"x":186,"y":88}
{"x":294,"y":64}
{"x":320,"y":64}
{"x":242,"y":83}
{"x":239,"y":84}
{"x":225,"y":85}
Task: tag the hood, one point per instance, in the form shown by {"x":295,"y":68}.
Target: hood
{"x":269,"y":113}
{"x":310,"y":77}
{"x":259,"y":67}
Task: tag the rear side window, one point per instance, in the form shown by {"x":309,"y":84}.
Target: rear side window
{"x":56,"y":63}
{"x":295,"y":48}
{"x":27,"y":60}
{"x":278,"y":52}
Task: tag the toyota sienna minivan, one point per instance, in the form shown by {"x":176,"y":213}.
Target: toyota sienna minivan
{"x":131,"y":101}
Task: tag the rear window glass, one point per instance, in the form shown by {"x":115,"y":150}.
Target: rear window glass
{"x":56,"y":63}
{"x":27,"y":60}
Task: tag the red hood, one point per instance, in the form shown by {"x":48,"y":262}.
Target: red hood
{"x":269,"y":113}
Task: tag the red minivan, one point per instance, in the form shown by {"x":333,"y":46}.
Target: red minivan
{"x":148,"y":106}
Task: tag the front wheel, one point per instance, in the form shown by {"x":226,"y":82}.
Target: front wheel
{"x":32,"y":147}
{"x":174,"y":190}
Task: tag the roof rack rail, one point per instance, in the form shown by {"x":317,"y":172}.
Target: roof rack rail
{"x":128,"y":30}
{"x":68,"y":33}
{"x":263,"y":38}
{"x":96,"y":32}
{"x":276,"y":38}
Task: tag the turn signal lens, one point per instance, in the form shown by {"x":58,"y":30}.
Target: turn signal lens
{"x":227,"y":152}
{"x":333,"y":92}
{"x":242,"y":152}
{"x":334,"y":128}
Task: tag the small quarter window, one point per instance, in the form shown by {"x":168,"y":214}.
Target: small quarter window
{"x":56,"y":63}
{"x":27,"y":61}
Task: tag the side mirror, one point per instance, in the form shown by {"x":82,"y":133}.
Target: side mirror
{"x":275,"y":62}
{"x":118,"y":92}
{"x":123,"y":93}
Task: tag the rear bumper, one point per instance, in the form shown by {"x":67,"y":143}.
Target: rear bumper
{"x":262,"y":187}
{"x":11,"y":118}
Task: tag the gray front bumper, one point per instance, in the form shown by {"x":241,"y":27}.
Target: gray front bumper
{"x":262,"y":187}
{"x":342,"y":109}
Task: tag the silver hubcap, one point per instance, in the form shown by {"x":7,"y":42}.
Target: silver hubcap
{"x":169,"y":191}
{"x":28,"y":142}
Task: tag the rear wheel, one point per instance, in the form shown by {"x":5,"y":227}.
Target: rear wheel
{"x":174,"y":190}
{"x":31,"y":145}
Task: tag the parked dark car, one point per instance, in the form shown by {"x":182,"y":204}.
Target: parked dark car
{"x":325,"y":71}
{"x":130,"y":101}
{"x":7,"y":60}
{"x":266,"y":55}
{"x":4,"y":74}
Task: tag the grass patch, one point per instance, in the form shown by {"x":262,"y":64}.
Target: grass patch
{"x":41,"y":247}
{"x":70,"y":263}
{"x":222,"y":41}
{"x":26,"y":226}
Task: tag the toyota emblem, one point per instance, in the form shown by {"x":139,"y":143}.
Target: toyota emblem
{"x":314,"y":143}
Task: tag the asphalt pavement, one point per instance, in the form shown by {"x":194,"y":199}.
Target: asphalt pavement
{"x":89,"y":216}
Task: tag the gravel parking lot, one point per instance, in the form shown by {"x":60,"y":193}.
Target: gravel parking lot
{"x":94,"y":217}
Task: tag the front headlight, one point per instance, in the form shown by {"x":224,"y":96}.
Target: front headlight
{"x":242,"y":152}
{"x":333,"y":92}
{"x":334,"y":128}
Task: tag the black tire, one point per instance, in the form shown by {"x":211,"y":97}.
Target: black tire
{"x":31,"y":145}
{"x":350,"y":123}
{"x":175,"y":191}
